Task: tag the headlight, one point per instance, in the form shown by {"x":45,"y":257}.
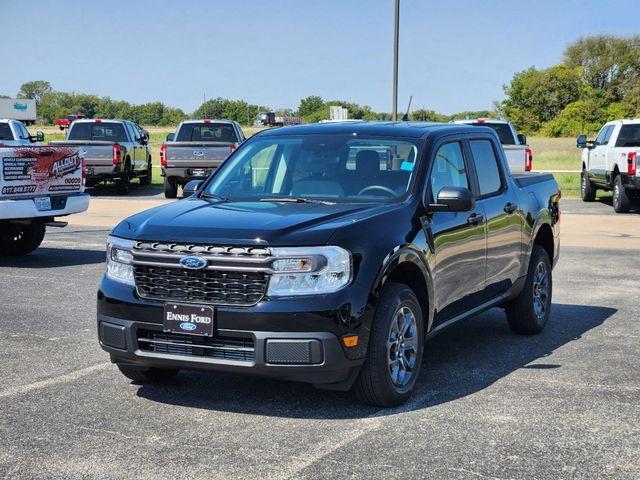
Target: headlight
{"x":119,"y":259}
{"x":309,"y":271}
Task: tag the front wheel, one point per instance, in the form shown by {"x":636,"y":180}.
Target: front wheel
{"x":528,"y":313}
{"x":396,"y":345}
{"x":16,"y":240}
{"x":621,"y":200}
{"x":587,"y":192}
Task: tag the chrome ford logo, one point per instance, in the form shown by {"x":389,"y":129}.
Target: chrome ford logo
{"x":198,"y":153}
{"x":193,"y":262}
{"x":188,"y":326}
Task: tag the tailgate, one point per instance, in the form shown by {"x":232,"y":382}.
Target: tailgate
{"x":40,"y":170}
{"x":95,"y":153}
{"x":187,"y":154}
{"x":515,"y":157}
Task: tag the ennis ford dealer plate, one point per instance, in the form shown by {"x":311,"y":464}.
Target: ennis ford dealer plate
{"x":191,"y":319}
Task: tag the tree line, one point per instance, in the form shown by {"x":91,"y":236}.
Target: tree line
{"x":598,"y":80}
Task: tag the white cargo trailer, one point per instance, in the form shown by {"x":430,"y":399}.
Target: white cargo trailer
{"x":23,"y":109}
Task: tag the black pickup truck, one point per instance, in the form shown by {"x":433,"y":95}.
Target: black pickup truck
{"x":330,"y":254}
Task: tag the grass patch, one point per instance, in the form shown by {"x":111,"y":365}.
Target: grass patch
{"x":555,"y":153}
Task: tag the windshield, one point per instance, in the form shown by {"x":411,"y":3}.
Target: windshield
{"x":108,"y":132}
{"x":207,"y":132}
{"x":334,"y":168}
{"x":629,"y":136}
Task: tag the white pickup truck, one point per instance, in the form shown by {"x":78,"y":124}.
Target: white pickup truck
{"x":519,"y":155}
{"x":37,"y":184}
{"x":610,"y":162}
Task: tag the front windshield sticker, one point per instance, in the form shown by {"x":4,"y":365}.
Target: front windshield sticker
{"x":408,"y":166}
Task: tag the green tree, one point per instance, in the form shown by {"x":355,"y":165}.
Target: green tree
{"x":423,"y":115}
{"x":35,"y":90}
{"x":310,"y":105}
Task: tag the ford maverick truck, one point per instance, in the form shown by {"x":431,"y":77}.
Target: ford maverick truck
{"x":196,"y":150}
{"x":314,"y":255}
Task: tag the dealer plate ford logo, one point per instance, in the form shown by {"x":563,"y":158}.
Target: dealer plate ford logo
{"x":188,"y":326}
{"x":193,"y":262}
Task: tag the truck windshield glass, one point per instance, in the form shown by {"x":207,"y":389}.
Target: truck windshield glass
{"x":629,"y":136}
{"x":108,"y":132}
{"x":207,"y":132}
{"x":335,"y":168}
{"x":502,"y":129}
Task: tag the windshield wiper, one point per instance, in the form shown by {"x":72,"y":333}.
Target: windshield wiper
{"x":222,"y":198}
{"x":297,"y":200}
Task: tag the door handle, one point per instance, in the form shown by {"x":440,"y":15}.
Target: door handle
{"x":510,"y":207}
{"x":475,"y":218}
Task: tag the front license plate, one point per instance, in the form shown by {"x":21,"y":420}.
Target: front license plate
{"x":192,"y":319}
{"x":42,"y":203}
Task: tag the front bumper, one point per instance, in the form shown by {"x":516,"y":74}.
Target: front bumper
{"x":294,"y":339}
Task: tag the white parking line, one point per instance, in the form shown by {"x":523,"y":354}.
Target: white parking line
{"x":67,"y":377}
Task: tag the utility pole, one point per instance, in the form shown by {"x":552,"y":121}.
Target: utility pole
{"x":396,"y":26}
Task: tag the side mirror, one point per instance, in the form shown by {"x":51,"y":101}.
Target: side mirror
{"x":453,"y":199}
{"x":522,"y":139}
{"x":190,"y":188}
{"x":581,"y":142}
{"x":170,"y":137}
{"x":39,"y":136}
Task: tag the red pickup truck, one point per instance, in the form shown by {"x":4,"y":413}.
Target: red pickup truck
{"x":64,"y":123}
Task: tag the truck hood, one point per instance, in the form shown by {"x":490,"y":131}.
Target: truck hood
{"x":244,"y":223}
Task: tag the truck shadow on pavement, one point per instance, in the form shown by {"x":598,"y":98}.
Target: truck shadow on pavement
{"x":135,"y":190}
{"x":635,"y":207}
{"x":463,"y":360}
{"x":46,"y":257}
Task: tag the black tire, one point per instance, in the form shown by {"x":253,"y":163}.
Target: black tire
{"x":148,"y":375}
{"x":587,"y":190}
{"x":145,"y":180}
{"x":621,"y":200}
{"x":125,"y":181}
{"x":522,"y":315}
{"x":375,"y":384}
{"x":16,"y":240}
{"x":170,"y":187}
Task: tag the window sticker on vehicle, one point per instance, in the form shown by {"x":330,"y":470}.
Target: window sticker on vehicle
{"x":408,"y":166}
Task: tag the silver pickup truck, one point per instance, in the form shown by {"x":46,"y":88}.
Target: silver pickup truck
{"x":114,"y":150}
{"x":196,"y":150}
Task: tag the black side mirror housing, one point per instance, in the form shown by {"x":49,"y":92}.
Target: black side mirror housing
{"x":453,"y":199}
{"x":170,"y":137}
{"x":190,"y":188}
{"x":581,"y":142}
{"x":522,"y":139}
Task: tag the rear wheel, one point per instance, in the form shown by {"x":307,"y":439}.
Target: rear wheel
{"x":147,"y":375}
{"x":125,"y":181}
{"x":170,"y":187}
{"x":587,"y":191}
{"x":145,"y":180}
{"x":16,"y":240}
{"x":391,"y":369}
{"x":621,"y":200}
{"x":529,"y":312}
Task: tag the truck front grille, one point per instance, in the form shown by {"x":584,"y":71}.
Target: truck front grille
{"x":233,"y":275}
{"x":241,"y":349}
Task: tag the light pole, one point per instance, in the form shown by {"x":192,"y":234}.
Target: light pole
{"x":396,"y":25}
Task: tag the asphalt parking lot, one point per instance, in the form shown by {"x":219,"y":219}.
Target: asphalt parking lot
{"x":489,"y":403}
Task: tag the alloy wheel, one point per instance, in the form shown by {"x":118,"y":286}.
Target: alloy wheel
{"x":402,"y":347}
{"x":541,"y":291}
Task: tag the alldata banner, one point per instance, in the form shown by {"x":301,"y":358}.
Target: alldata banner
{"x":40,"y":170}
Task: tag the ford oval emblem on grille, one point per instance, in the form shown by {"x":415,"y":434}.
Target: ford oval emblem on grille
{"x":193,"y":262}
{"x":198,"y":153}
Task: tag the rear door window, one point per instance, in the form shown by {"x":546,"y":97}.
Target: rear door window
{"x":487,"y":169}
{"x":629,"y":136}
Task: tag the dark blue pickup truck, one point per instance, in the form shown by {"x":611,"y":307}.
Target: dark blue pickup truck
{"x":330,"y":254}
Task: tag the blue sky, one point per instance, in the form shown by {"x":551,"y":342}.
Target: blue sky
{"x":454,"y":55}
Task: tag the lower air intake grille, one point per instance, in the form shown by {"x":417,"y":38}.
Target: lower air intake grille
{"x":241,"y":349}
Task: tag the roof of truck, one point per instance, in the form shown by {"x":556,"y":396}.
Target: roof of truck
{"x":481,"y":120}
{"x":210,"y":120}
{"x":394,"y":129}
